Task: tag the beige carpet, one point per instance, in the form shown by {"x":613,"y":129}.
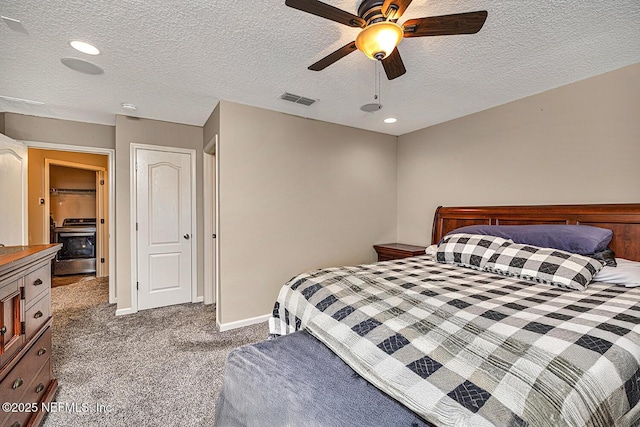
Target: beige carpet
{"x":161,"y":367}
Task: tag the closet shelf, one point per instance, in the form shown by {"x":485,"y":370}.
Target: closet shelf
{"x":55,"y":191}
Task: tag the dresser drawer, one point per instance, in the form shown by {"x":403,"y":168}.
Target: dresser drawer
{"x":14,"y":386}
{"x":9,"y":288}
{"x":16,"y":419}
{"x":37,"y":388}
{"x":37,"y":315}
{"x":37,"y":282}
{"x":33,"y":395}
{"x":41,"y":350}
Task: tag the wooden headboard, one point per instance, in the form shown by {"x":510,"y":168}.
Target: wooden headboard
{"x":623,"y":219}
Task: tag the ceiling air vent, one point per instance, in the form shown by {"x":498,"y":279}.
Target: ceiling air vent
{"x":297,"y":99}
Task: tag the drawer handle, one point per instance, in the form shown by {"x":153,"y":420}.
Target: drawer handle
{"x":39,"y":388}
{"x":17,"y":383}
{"x":38,"y":282}
{"x":16,"y":424}
{"x":38,"y":315}
{"x":3,"y":330}
{"x":42,"y":351}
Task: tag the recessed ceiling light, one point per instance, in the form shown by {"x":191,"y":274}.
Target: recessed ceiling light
{"x":84,"y":47}
{"x":390,"y":120}
{"x":82,"y":66}
{"x":371,"y":108}
{"x":130,"y":107}
{"x":14,"y":24}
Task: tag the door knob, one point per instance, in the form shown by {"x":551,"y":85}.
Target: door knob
{"x":186,"y":236}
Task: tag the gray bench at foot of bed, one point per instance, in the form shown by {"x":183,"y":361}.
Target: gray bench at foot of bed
{"x":295,"y":380}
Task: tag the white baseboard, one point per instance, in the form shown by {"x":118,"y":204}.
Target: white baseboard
{"x":240,"y":323}
{"x":123,"y":311}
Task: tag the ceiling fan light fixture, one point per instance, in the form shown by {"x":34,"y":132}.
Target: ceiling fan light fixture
{"x":378,"y":40}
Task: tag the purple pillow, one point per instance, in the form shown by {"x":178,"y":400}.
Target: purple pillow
{"x":578,"y":239}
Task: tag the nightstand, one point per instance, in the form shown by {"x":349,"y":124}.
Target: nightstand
{"x":389,"y":251}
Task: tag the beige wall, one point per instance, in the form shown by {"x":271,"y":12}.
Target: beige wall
{"x":70,"y":177}
{"x":41,"y":129}
{"x":63,"y":205}
{"x":579,"y":143}
{"x":296,"y":194}
{"x":153,"y":132}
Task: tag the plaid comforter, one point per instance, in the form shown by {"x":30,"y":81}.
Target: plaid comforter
{"x":468,"y":348}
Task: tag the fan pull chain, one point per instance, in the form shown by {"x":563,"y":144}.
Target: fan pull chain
{"x":375,"y":81}
{"x":376,"y":76}
{"x":378,"y":65}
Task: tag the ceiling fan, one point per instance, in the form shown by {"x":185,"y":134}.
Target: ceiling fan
{"x":381,"y":34}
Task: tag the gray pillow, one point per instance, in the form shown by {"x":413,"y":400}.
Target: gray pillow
{"x":607,"y":257}
{"x":577,"y":239}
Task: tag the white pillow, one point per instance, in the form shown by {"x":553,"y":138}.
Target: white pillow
{"x":627,"y":273}
{"x":431,"y":250}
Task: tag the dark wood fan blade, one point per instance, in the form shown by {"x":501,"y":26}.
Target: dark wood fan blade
{"x":324,"y":10}
{"x":331,"y":58}
{"x":445,"y":25}
{"x":393,"y":65}
{"x":393,"y":9}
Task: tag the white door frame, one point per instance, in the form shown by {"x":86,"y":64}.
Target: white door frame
{"x":99,"y":204}
{"x":212,"y":217}
{"x":217,"y":231}
{"x":111,"y":159}
{"x":209,"y":228}
{"x":211,"y":191}
{"x":100,"y":226}
{"x":133,"y":193}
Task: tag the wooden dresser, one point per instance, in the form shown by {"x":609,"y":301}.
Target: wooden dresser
{"x":26,"y":378}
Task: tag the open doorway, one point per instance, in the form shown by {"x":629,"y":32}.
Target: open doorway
{"x":69,"y":182}
{"x":76,"y":216}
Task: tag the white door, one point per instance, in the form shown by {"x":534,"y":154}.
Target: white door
{"x":13,"y":192}
{"x":163,"y":197}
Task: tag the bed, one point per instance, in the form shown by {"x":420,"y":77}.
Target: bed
{"x":419,"y":342}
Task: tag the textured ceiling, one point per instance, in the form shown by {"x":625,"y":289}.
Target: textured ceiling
{"x":176,"y":59}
